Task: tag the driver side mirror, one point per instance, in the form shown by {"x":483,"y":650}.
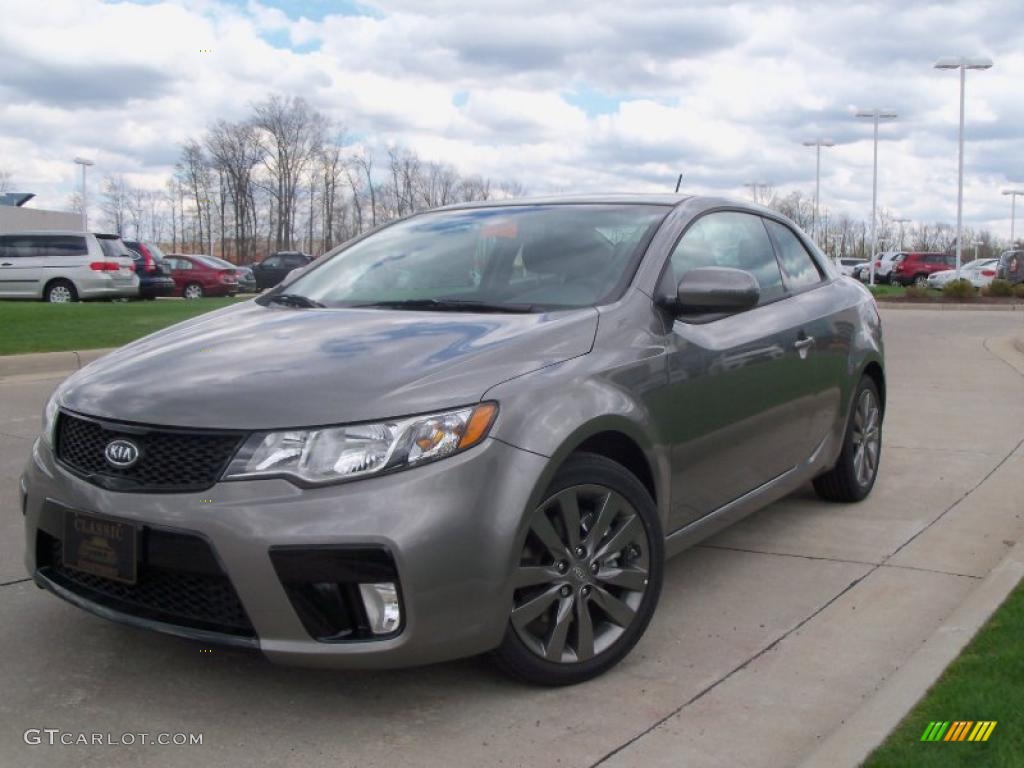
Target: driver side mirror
{"x":716,"y":290}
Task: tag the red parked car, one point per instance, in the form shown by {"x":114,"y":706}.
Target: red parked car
{"x":915,"y":267}
{"x":196,"y":276}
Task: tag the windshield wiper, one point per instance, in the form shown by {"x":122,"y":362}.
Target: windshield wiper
{"x":447,"y":304}
{"x":293,"y":300}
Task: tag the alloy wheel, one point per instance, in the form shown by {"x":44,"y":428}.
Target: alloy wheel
{"x":867,"y":437}
{"x":582,"y":574}
{"x":60,"y":294}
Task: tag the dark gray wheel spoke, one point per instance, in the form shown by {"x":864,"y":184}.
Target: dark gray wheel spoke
{"x":531,"y":609}
{"x":616,"y":610}
{"x":548,"y":535}
{"x":569,"y":508}
{"x":560,"y":632}
{"x":584,"y":631}
{"x":532,"y":575}
{"x":633,"y":579}
{"x":607,"y":508}
{"x":623,"y":536}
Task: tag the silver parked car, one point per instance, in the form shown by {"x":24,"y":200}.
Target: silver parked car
{"x":60,"y":266}
{"x":979,"y":272}
{"x":478,"y":429}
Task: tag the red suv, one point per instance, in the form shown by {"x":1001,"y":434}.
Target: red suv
{"x":198,"y":276}
{"x":914,"y":268}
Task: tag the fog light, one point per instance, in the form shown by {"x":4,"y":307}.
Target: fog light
{"x":381,"y":603}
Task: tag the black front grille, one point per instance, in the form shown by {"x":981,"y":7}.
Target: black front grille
{"x":179,"y":582}
{"x":170,"y":460}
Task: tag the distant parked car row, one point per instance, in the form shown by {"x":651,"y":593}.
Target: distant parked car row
{"x":61,"y":266}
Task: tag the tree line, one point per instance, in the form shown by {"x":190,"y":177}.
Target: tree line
{"x":284,"y":178}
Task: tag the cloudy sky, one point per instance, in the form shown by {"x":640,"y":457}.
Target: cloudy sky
{"x":561,"y":96}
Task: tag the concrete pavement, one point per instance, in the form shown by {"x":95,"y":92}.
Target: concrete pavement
{"x":767,"y":637}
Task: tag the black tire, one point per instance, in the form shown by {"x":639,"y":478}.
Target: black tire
{"x":844,"y":482}
{"x":60,"y":292}
{"x":921,"y":281}
{"x":586,"y":473}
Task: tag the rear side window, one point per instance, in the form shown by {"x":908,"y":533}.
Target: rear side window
{"x":113,"y":248}
{"x":730,"y":239}
{"x":14,"y":246}
{"x":798,"y":268}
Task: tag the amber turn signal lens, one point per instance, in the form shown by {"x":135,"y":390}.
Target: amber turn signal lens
{"x":479,"y":425}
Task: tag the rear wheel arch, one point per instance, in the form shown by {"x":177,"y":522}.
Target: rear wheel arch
{"x":874,"y":370}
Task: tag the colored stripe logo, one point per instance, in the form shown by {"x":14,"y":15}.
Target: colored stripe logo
{"x":959,"y":730}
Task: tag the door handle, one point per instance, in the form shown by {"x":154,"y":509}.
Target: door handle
{"x":802,"y":345}
{"x":6,"y":264}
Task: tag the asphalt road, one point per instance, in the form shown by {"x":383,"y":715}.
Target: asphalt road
{"x":766,"y":638}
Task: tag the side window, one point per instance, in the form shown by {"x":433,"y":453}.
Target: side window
{"x":21,"y":246}
{"x":798,"y":267}
{"x":63,"y":245}
{"x":6,"y":248}
{"x":272,"y":262}
{"x":730,"y":239}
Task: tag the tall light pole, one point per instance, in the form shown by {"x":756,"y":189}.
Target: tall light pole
{"x":817,"y":144}
{"x":963,"y":63}
{"x":85,"y":163}
{"x":755,"y":187}
{"x":875,"y":114}
{"x":1013,"y":209}
{"x":901,"y":222}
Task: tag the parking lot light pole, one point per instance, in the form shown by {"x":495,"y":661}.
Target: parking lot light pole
{"x":755,"y":188}
{"x":875,"y":114}
{"x":1013,"y":209}
{"x":963,"y":63}
{"x":817,"y":144}
{"x":85,"y":163}
{"x":901,"y":222}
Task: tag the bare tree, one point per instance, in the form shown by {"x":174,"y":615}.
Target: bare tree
{"x":292,"y":134}
{"x":5,"y":180}
{"x":235,"y":151}
{"x":114,"y":202}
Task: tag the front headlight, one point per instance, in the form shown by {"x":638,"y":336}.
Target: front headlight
{"x":50,"y":418}
{"x":333,"y":454}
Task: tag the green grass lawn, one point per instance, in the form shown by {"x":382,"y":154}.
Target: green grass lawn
{"x":985,"y":683}
{"x":34,"y":326}
{"x":888,"y":291}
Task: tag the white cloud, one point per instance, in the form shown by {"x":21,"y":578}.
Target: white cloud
{"x":573,"y":96}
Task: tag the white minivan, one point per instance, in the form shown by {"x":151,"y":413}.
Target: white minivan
{"x":60,"y":266}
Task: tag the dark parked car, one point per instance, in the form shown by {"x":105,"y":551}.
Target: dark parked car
{"x":915,"y":267}
{"x":1011,"y":266}
{"x":154,"y":279}
{"x":481,"y":428}
{"x":273,"y":269}
{"x":196,"y":276}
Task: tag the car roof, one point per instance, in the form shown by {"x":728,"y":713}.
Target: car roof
{"x":629,"y":198}
{"x":75,"y":232}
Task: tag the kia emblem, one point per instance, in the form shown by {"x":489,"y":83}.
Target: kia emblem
{"x":121,"y":453}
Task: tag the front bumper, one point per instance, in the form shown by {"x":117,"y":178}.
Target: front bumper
{"x":451,"y":528}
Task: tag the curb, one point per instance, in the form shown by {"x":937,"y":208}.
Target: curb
{"x":950,"y":307}
{"x":877,"y":717}
{"x":40,"y":363}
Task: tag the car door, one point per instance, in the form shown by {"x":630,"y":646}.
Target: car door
{"x":271,"y":271}
{"x":737,"y":384}
{"x":21,"y":266}
{"x":827,"y":334}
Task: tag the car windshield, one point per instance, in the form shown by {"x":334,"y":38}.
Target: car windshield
{"x":524,"y":258}
{"x":155,"y":251}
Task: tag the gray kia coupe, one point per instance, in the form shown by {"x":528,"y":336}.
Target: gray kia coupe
{"x":477,"y":429}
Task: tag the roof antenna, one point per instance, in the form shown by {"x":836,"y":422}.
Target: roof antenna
{"x":678,"y":182}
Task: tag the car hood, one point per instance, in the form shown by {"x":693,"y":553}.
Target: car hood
{"x":255,"y":367}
